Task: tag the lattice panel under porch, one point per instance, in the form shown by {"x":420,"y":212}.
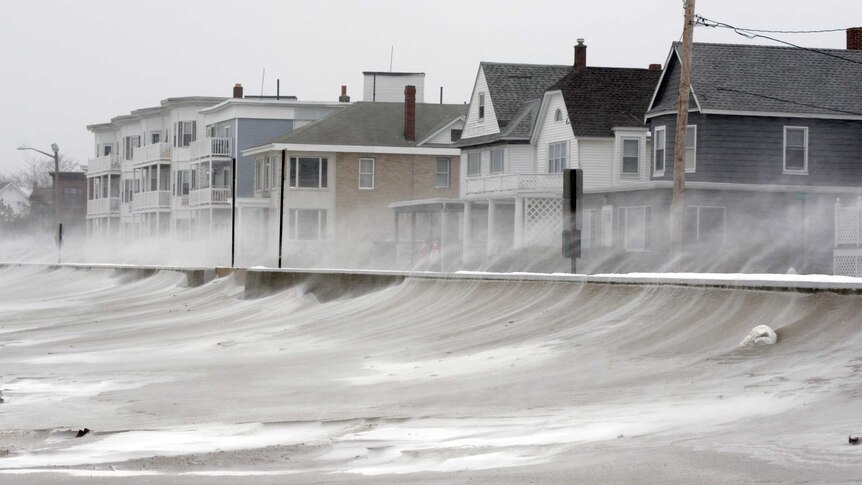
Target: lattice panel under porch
{"x":543,"y":222}
{"x":847,"y":266}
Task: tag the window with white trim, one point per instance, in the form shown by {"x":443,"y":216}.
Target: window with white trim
{"x":306,"y":224}
{"x":155,"y":137}
{"x":690,"y":148}
{"x":129,"y":145}
{"x":107,"y":148}
{"x":185,"y":131}
{"x":497,"y":157}
{"x":366,"y":173}
{"x":558,"y":115}
{"x":274,"y":172}
{"x":706,"y":224}
{"x":474,"y":163}
{"x":308,"y":172}
{"x":795,"y":149}
{"x":227,"y":131}
{"x":556,"y":157}
{"x":258,"y":174}
{"x":631,"y":156}
{"x":443,"y":166}
{"x":635,"y":227}
{"x":481,"y":106}
{"x":659,"y":150}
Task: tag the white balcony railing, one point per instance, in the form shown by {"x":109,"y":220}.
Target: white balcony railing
{"x":155,"y":200}
{"x":107,"y":163}
{"x":216,"y":195}
{"x":514,"y":182}
{"x":210,"y":147}
{"x":152,"y":153}
{"x":103,"y":207}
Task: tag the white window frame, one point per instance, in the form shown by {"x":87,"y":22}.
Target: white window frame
{"x":693,"y":150}
{"x":481,"y":106}
{"x":227,"y":131}
{"x":697,"y":209}
{"x":624,"y":227}
{"x":366,"y":173}
{"x":155,"y":137}
{"x":322,"y":182}
{"x":557,"y":156}
{"x":796,"y":171}
{"x":446,"y":173}
{"x":293,"y":224}
{"x":502,"y":165}
{"x":623,"y":141}
{"x":655,"y":148}
{"x":558,"y":115}
{"x":475,"y":156}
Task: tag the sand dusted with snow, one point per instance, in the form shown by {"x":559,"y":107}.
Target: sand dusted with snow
{"x":424,"y":382}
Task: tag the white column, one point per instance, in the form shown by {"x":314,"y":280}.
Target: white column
{"x":468,"y":233}
{"x":492,"y":215}
{"x":519,"y":222}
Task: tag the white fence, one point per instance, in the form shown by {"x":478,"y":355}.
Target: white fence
{"x":847,"y":255}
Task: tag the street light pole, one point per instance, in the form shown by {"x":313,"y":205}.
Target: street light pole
{"x":56,"y":157}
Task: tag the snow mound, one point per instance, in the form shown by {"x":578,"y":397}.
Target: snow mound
{"x":760,"y":335}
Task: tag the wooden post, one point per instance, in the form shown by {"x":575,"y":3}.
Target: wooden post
{"x":677,"y":212}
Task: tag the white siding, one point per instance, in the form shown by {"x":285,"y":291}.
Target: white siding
{"x":596,"y":157}
{"x":550,"y":131}
{"x":488,"y":125}
{"x":14,"y":198}
{"x":519,"y":158}
{"x":385,"y":88}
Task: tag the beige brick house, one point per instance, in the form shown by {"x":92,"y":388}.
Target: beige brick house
{"x":343,"y":172}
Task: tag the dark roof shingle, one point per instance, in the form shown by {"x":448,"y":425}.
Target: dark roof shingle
{"x":778,"y":79}
{"x":601,"y":98}
{"x":373,"y":124}
{"x":512,"y":85}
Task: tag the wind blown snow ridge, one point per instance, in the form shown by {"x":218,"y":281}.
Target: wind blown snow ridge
{"x":424,"y":374}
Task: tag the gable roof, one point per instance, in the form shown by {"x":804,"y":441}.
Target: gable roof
{"x":510,"y":86}
{"x":767,"y":79}
{"x":601,"y":98}
{"x":373,"y":124}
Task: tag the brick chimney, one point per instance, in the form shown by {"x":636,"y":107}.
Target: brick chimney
{"x":580,"y":54}
{"x":655,"y":67}
{"x":237,"y":90}
{"x":344,"y":98}
{"x":854,"y":39}
{"x":410,"y":113}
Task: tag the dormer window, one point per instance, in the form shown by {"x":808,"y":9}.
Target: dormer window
{"x":481,"y":106}
{"x":558,"y":116}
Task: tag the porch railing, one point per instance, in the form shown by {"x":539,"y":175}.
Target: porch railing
{"x":513,"y":182}
{"x":210,"y":147}
{"x":154,"y":200}
{"x":152,"y":153}
{"x":107,"y":163}
{"x":847,"y":255}
{"x":105,"y":206}
{"x":215,"y":195}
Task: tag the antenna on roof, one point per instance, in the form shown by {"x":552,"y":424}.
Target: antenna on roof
{"x":262,"y":77}
{"x":391,"y":53}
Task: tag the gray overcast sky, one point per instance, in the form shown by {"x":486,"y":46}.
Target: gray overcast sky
{"x":66,"y":64}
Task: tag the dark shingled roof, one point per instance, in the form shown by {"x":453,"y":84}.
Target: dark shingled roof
{"x":512,"y":85}
{"x":601,"y":98}
{"x":373,"y":124}
{"x":777,"y":79}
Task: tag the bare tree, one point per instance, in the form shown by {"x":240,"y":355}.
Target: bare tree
{"x":37,"y":171}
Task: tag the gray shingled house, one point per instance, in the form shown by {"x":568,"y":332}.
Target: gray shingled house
{"x":774,"y":137}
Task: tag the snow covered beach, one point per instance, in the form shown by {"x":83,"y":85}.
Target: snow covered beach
{"x":432,"y":379}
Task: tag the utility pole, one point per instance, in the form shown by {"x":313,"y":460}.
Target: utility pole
{"x":57,"y":222}
{"x":676,"y":210}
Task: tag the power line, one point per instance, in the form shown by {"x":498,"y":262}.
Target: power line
{"x":751,"y":34}
{"x":789,"y":101}
{"x":764,"y":31}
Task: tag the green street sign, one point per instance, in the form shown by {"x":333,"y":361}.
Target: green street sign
{"x":802,"y":195}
